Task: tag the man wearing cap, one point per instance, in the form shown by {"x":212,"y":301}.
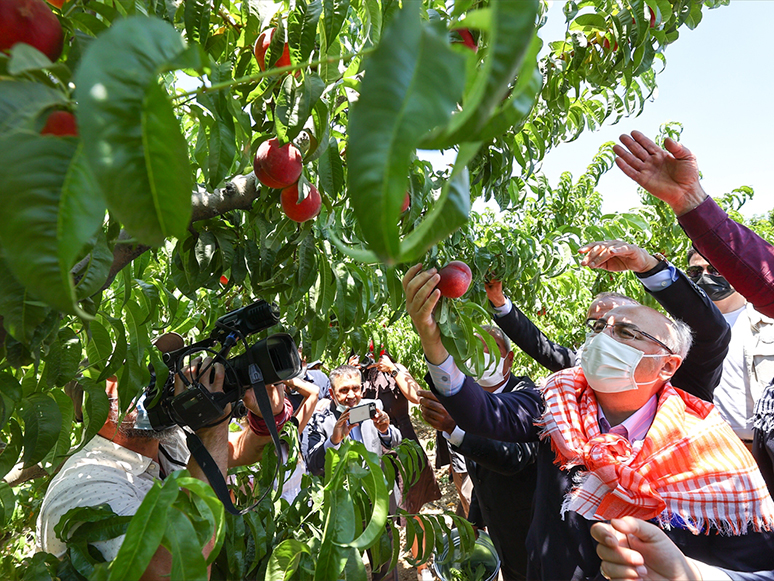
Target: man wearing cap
{"x":121,"y":463}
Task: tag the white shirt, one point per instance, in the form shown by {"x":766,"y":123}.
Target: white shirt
{"x":732,"y":396}
{"x":103,"y":472}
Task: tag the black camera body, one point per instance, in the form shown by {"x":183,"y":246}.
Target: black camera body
{"x":267,"y":361}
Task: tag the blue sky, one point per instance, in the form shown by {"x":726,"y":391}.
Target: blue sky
{"x":718,"y":84}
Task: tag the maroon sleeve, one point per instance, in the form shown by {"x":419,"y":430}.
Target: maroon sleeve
{"x":739,"y":254}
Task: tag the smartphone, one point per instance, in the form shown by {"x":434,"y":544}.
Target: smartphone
{"x":361,"y":413}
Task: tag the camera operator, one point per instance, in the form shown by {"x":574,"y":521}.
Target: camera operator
{"x":120,"y":464}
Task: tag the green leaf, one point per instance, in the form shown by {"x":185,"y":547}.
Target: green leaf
{"x":145,"y":532}
{"x":380,"y":500}
{"x":519,"y":104}
{"x":42,"y":424}
{"x":119,"y":353}
{"x":51,"y":209}
{"x":90,"y":524}
{"x":10,"y":454}
{"x":294,"y":105}
{"x":132,"y":138}
{"x":99,"y":346}
{"x":284,"y":560}
{"x":95,"y":271}
{"x":331,"y":170}
{"x":334,"y":13}
{"x":10,"y":394}
{"x":413,"y":83}
{"x":180,"y":539}
{"x":222,"y":149}
{"x":55,"y":456}
{"x":449,"y":213}
{"x":25,"y":57}
{"x":590,"y":21}
{"x":21,"y":102}
{"x":197,"y":20}
{"x":7,"y":502}
{"x":512,"y":30}
{"x":96,"y":408}
{"x":21,"y":314}
{"x":302,"y":28}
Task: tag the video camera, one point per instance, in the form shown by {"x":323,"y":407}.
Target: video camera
{"x":267,"y":361}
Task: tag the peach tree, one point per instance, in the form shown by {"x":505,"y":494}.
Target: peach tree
{"x":148,"y":218}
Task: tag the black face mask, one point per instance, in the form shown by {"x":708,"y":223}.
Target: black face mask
{"x":716,"y":286}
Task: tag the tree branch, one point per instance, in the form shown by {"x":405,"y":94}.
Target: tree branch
{"x":238,"y":194}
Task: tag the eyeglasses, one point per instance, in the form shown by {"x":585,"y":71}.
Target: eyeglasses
{"x":624,"y":331}
{"x":697,"y":271}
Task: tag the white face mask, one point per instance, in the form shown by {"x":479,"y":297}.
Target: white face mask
{"x":579,"y":353}
{"x":609,"y":365}
{"x":491,"y":376}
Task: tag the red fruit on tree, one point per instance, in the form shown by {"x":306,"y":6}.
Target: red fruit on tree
{"x":467,"y":39}
{"x":455,"y":279}
{"x":606,"y":45}
{"x":57,"y":3}
{"x":60,"y":123}
{"x":652,"y":18}
{"x":33,"y":23}
{"x":275,"y":166}
{"x":406,"y":203}
{"x":302,"y":211}
{"x":262,"y":47}
{"x":223,"y":279}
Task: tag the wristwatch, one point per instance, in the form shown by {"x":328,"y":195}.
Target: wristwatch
{"x":663,"y":264}
{"x":394,"y":373}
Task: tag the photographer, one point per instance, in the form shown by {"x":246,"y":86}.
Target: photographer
{"x":330,"y":424}
{"x":121,"y":463}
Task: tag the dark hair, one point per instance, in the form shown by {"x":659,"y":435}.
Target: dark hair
{"x":693,"y":252}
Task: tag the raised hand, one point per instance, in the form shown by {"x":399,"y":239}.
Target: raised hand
{"x":434,"y":412}
{"x":670,"y":174}
{"x":421,"y":299}
{"x":494,"y":292}
{"x":382,"y":421}
{"x":341,"y":429}
{"x":616,"y":256}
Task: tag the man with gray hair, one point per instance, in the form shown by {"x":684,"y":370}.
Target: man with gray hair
{"x":701,"y":370}
{"x":614,"y":438}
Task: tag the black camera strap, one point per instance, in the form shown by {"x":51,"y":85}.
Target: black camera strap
{"x":207,"y":462}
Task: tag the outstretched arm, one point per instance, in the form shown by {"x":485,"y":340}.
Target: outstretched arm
{"x":526,"y":335}
{"x":670,"y":174}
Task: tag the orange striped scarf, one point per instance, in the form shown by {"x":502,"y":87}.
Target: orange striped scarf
{"x":690,"y":468}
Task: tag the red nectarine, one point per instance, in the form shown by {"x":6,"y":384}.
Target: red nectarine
{"x":406,"y":203}
{"x":467,"y":39}
{"x":60,"y":123}
{"x":304,"y":210}
{"x":262,"y":47}
{"x":455,"y":279}
{"x":33,"y":23}
{"x":275,"y":166}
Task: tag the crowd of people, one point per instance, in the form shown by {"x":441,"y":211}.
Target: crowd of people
{"x":647,"y":453}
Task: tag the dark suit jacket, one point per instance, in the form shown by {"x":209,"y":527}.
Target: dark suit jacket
{"x":504,"y":476}
{"x":563,"y":548}
{"x":320,"y":428}
{"x":701,"y":370}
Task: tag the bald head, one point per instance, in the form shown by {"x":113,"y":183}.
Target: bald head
{"x":603,"y":303}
